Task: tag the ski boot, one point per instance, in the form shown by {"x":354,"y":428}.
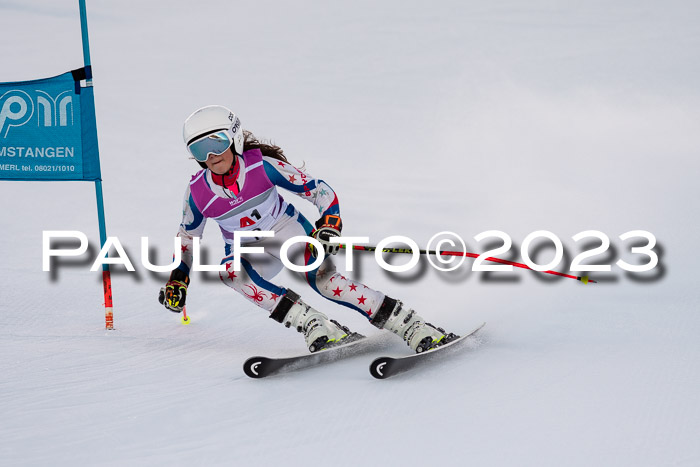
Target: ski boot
{"x":411,"y":327}
{"x":319,"y":332}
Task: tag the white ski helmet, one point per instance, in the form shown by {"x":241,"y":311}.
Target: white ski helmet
{"x":208,"y":121}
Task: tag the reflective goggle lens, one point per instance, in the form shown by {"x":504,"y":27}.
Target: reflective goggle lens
{"x":215,"y":143}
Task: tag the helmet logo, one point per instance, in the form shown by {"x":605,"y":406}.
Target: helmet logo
{"x":230,"y":116}
{"x":236,"y":126}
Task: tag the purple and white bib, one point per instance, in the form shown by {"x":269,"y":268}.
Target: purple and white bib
{"x":257,"y":206}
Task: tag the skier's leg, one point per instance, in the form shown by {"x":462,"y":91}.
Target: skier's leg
{"x":383,"y":312}
{"x":344,"y":291}
{"x":251,"y":284}
{"x":325,"y":280}
{"x":285,"y":306}
{"x":254,"y":281}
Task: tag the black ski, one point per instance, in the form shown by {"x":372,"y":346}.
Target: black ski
{"x":384,"y":367}
{"x":261,"y":367}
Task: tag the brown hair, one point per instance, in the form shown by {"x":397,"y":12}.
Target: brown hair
{"x":267,"y":149}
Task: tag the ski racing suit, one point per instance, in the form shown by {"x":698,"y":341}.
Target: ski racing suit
{"x":257,"y":205}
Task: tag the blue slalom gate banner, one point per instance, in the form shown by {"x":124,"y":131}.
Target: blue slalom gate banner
{"x":48,"y":130}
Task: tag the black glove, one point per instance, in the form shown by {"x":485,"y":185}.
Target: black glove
{"x":327,"y":227}
{"x":174,"y":294}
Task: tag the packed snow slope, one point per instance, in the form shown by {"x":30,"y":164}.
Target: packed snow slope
{"x":459,"y":115}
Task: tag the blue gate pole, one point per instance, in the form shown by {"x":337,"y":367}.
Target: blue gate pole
{"x":106,"y":279}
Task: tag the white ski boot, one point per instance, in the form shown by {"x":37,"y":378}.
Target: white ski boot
{"x":319,"y":331}
{"x":411,"y":327}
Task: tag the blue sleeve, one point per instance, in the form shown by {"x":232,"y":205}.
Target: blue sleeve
{"x":314,"y":190}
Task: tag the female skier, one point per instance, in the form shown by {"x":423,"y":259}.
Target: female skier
{"x":238,"y":189}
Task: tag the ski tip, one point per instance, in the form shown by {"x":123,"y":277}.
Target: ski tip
{"x":251,"y":367}
{"x":379,"y":368}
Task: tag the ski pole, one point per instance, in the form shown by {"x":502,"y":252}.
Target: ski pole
{"x":185,"y":318}
{"x":583,"y":279}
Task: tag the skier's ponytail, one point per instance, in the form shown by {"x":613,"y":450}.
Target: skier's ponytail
{"x":269,"y":150}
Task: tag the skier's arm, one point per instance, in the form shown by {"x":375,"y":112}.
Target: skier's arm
{"x":174,"y":294}
{"x":302,"y":184}
{"x":315,"y":190}
{"x":192,"y":225}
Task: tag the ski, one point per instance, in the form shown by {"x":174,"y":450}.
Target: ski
{"x":262,"y":367}
{"x":384,"y":367}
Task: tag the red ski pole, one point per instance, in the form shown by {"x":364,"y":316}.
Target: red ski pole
{"x":583,"y":279}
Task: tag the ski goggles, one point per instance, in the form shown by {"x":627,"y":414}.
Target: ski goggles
{"x":213,"y":143}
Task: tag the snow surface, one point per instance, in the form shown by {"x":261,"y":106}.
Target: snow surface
{"x":459,"y":115}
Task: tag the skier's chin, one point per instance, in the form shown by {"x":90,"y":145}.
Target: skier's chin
{"x":219,"y":167}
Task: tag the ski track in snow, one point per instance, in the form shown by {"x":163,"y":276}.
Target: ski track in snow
{"x":459,"y":116}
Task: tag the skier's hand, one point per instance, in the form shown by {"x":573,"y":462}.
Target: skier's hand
{"x":174,"y":294}
{"x":327,"y":227}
